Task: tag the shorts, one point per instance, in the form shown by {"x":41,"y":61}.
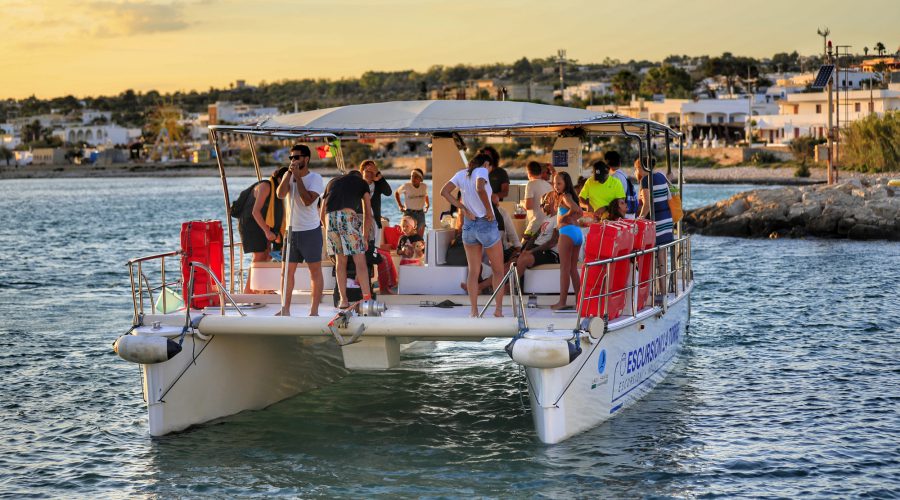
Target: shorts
{"x":418,"y":216}
{"x":574,"y":233}
{"x":542,"y":257}
{"x":480,"y":232}
{"x":306,"y":246}
{"x":345,"y":233}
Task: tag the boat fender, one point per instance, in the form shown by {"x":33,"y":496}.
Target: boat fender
{"x":543,"y":350}
{"x":146,"y":350}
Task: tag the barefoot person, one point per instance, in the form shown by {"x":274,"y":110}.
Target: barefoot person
{"x":570,"y":238}
{"x":349,"y":222}
{"x":480,"y":233}
{"x":260,"y":221}
{"x":302,"y":189}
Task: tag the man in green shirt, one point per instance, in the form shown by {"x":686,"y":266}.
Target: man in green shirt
{"x":600,"y":190}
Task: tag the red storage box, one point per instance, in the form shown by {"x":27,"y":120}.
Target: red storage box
{"x":645,"y":239}
{"x":605,"y":240}
{"x":202,"y":241}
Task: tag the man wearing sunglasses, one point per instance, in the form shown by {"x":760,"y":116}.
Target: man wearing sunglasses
{"x":302,"y":189}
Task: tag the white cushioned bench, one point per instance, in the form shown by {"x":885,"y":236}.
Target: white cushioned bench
{"x":267,"y":276}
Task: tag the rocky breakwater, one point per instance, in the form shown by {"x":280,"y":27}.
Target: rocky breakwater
{"x":861,"y":209}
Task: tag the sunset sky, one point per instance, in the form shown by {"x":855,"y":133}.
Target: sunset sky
{"x":88,"y":48}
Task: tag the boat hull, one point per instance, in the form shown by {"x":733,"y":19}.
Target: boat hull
{"x":225,"y":375}
{"x":611,"y":374}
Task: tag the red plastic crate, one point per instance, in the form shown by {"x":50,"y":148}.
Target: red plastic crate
{"x":203,"y":242}
{"x":645,"y":239}
{"x":606,"y":240}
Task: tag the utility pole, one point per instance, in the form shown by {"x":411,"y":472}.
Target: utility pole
{"x":824,"y":32}
{"x":561,"y":53}
{"x":830,"y":172}
{"x":749,"y":111}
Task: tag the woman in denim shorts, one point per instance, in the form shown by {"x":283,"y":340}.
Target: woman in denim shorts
{"x":480,"y":233}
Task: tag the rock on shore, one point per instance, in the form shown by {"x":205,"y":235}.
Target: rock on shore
{"x":860,"y":209}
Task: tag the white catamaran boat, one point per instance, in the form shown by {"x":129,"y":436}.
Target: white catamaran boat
{"x":209,"y":361}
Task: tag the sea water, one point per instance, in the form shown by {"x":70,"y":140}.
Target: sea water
{"x":789,"y":382}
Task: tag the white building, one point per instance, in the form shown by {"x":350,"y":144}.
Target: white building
{"x":529,"y":92}
{"x":585,"y":90}
{"x":806,"y":114}
{"x":89,"y":115}
{"x":97,"y":134}
{"x":723,"y":118}
{"x":238,"y":112}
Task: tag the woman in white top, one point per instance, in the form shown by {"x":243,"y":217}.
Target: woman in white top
{"x":480,"y":233}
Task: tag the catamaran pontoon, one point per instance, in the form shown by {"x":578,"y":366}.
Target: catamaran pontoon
{"x":581,"y":368}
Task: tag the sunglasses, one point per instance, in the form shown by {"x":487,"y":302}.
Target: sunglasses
{"x":297,"y":157}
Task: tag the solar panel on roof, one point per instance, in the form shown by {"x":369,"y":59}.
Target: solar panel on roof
{"x":823,"y":76}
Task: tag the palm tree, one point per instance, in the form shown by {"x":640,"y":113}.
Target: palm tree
{"x":33,"y":131}
{"x":866,"y":51}
{"x":879,"y":47}
{"x":6,"y":154}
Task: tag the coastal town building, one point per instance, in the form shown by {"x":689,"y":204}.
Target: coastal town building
{"x":48,"y":156}
{"x":489,"y":89}
{"x":586,"y":91}
{"x":724,"y":118}
{"x":97,"y":134}
{"x":806,"y":114}
{"x":237,"y":112}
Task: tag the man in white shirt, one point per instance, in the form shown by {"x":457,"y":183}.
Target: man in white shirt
{"x":302,"y":188}
{"x":534,"y":193}
{"x":416,"y":199}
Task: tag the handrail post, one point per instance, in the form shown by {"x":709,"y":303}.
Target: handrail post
{"x":140,"y":287}
{"x":134,"y":320}
{"x":162,"y":266}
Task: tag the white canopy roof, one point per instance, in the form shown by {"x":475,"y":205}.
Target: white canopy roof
{"x":429,"y":117}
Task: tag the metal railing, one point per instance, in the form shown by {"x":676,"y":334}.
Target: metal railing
{"x":144,"y":290}
{"x":515,"y":293}
{"x":673,"y":277}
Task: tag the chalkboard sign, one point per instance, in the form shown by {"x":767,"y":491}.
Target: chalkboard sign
{"x":561,"y":158}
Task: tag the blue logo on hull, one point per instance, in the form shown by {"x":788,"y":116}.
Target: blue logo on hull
{"x":601,"y":362}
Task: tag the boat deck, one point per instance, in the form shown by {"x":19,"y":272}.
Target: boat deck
{"x":423,"y":307}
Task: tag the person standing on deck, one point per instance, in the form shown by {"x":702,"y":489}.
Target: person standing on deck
{"x":570,"y":238}
{"x":479,"y":233}
{"x":600,"y":190}
{"x":615,"y":163}
{"x":378,"y":187}
{"x":499,"y":181}
{"x":416,"y":201}
{"x":302,"y":189}
{"x":662,"y":215}
{"x":534,"y":193}
{"x":261,"y":225}
{"x":348,"y":215}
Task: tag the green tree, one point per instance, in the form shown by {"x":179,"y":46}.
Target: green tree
{"x":625,"y":83}
{"x":871,"y":144}
{"x":522,"y":69}
{"x":6,"y":154}
{"x":668,"y":80}
{"x":32,"y":132}
{"x":880,"y":48}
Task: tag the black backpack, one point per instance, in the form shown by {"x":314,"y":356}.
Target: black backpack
{"x":240,"y":204}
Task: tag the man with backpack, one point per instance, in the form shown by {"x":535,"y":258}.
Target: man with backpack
{"x":615,"y":162}
{"x":260,"y":216}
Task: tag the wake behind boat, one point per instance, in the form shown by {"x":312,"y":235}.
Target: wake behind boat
{"x":226,"y":352}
